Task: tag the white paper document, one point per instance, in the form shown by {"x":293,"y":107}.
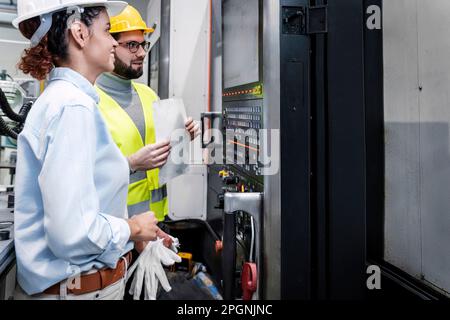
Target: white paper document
{"x":170,"y":118}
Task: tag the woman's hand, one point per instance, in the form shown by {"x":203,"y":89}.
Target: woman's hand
{"x":143,"y":227}
{"x":140,"y":246}
{"x":167,"y":239}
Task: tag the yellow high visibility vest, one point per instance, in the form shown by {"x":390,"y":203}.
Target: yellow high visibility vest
{"x":144,"y":193}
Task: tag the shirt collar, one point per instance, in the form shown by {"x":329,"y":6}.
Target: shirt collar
{"x":76,"y":79}
{"x":111,"y":82}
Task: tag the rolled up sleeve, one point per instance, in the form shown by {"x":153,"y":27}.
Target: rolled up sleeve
{"x":75,"y":229}
{"x":120,"y":232}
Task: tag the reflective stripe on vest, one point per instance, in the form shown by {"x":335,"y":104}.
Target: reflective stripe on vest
{"x":159,"y":194}
{"x":127,"y":137}
{"x":156,"y":206}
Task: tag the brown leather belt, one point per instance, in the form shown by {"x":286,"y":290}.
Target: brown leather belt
{"x":96,"y":281}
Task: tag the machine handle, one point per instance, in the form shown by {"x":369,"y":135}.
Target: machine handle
{"x":211,"y":116}
{"x":251,"y":203}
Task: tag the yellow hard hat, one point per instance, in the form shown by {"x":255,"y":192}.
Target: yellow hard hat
{"x":129,"y":20}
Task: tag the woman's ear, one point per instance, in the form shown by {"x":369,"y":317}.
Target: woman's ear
{"x":80,"y":33}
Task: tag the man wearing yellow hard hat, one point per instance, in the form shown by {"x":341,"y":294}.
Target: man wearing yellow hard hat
{"x":127,"y":108}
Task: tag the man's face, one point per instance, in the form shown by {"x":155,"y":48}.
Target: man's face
{"x":130,"y":65}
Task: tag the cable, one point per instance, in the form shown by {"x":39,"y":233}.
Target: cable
{"x":252,"y":243}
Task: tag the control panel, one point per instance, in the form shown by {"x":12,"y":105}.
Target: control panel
{"x":243,"y":118}
{"x":236,"y":181}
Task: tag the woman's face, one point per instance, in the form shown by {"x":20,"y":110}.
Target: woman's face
{"x":102,"y":46}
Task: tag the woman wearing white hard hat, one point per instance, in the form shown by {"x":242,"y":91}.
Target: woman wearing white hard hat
{"x":72,"y":232}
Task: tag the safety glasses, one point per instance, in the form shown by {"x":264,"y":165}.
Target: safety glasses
{"x":133,"y":46}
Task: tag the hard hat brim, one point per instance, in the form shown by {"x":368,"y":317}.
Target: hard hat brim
{"x":146,"y":30}
{"x":112,"y":7}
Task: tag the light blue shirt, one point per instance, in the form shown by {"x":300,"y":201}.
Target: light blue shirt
{"x":71,"y":187}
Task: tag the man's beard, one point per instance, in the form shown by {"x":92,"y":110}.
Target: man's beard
{"x":125,"y":71}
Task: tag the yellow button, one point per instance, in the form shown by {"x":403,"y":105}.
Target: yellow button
{"x":223,"y":173}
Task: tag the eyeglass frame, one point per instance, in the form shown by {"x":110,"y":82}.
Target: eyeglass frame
{"x":144,"y":45}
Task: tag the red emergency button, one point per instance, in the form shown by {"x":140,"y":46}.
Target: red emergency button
{"x":249,"y":280}
{"x":219,"y":246}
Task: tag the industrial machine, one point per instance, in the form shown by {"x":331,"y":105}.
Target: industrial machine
{"x":242,"y":119}
{"x":327,"y":221}
{"x":15,"y":104}
{"x":255,"y":123}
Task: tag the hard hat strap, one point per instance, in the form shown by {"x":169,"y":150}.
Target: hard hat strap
{"x":46,"y":24}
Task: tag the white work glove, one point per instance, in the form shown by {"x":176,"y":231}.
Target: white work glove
{"x":139,"y":267}
{"x":149,"y":270}
{"x":155,"y":271}
{"x":175,"y":244}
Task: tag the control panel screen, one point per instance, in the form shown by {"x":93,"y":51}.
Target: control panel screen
{"x":241,"y":42}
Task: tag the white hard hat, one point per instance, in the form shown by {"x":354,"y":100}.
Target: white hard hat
{"x":27,"y":9}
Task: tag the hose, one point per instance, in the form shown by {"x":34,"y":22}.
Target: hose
{"x":5,"y":129}
{"x":23,"y":113}
{"x":20,"y":117}
{"x":8,"y":111}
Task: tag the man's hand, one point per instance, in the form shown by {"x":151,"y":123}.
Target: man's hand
{"x":193,"y":128}
{"x":150,"y":157}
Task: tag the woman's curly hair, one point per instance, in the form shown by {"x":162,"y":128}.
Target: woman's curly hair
{"x":38,"y":61}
